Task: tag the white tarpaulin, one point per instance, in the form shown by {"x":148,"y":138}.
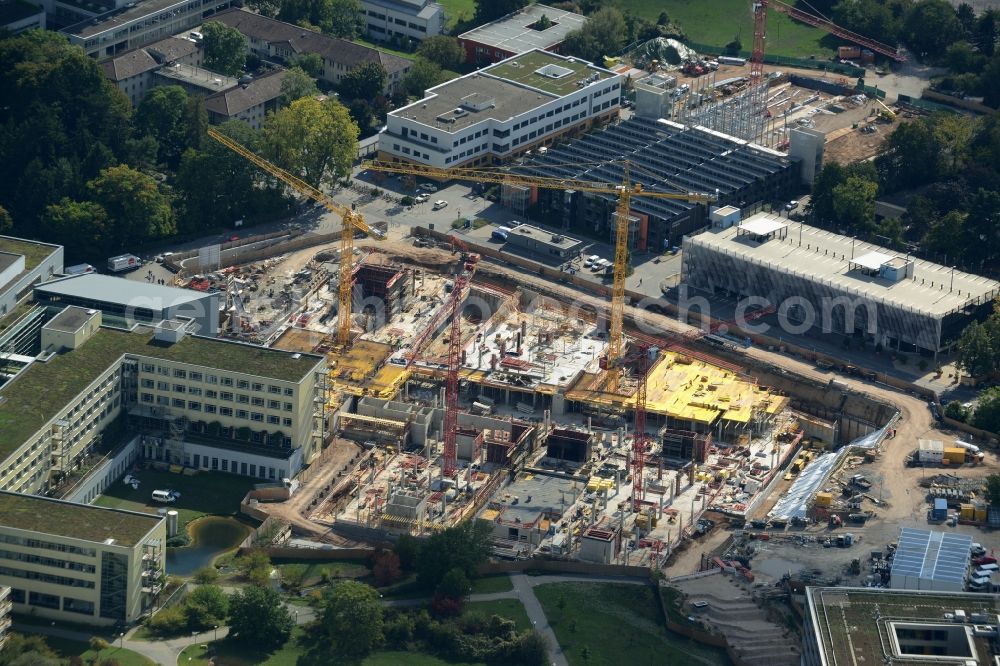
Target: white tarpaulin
{"x":795,"y":503}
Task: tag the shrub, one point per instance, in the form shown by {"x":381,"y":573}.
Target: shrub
{"x":407,"y":200}
{"x":206,"y":575}
{"x":168,"y":622}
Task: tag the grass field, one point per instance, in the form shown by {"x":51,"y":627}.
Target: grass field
{"x":492,"y":584}
{"x":458,"y":10}
{"x":205,"y":493}
{"x":511,"y":609}
{"x":310,"y":573}
{"x":721,"y":21}
{"x":67,"y":648}
{"x":607,"y":621}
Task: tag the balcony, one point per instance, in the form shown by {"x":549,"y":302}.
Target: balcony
{"x":151,"y":589}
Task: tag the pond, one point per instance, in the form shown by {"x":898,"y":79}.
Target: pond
{"x":210,"y":537}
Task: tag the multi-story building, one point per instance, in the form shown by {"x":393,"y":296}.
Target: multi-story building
{"x":24,"y":263}
{"x":78,"y":563}
{"x":413,"y":19}
{"x":664,"y":156}
{"x":17,"y":16}
{"x":501,"y":111}
{"x":820,"y":281}
{"x":533,"y":27}
{"x":133,"y":24}
{"x":250,"y":101}
{"x":202,"y":402}
{"x":271,"y":39}
{"x":134,"y":72}
{"x":5,"y":608}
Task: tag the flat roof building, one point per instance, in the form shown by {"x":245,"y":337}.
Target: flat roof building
{"x":79,"y":563}
{"x":665,"y":157}
{"x":501,"y":111}
{"x":125,"y":302}
{"x":551,"y":244}
{"x":134,"y":72}
{"x":17,"y":16}
{"x":387,"y":20}
{"x":136,"y":24}
{"x":930,"y":560}
{"x":24,"y":263}
{"x":851,"y":625}
{"x":519,"y":32}
{"x":204,"y":403}
{"x":819,"y":280}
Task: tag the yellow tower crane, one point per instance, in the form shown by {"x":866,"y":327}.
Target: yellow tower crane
{"x":352,"y":221}
{"x":625,"y":191}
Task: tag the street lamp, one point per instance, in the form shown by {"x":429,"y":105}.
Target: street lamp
{"x":121,"y":639}
{"x":216,"y":630}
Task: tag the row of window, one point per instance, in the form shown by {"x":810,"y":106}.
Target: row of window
{"x":47,"y":561}
{"x":65,"y":581}
{"x":212,"y":394}
{"x":234,"y":466}
{"x":42,"y":600}
{"x":47,"y":545}
{"x":209,"y":408}
{"x":179,"y":373}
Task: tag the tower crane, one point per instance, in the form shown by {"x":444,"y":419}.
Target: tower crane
{"x":352,"y":221}
{"x":624,"y":190}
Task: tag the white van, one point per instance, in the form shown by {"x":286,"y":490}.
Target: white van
{"x":987,"y":569}
{"x":164,"y":496}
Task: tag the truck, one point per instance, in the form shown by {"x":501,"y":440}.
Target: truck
{"x":859,"y":481}
{"x":124,"y":262}
{"x":79,"y":269}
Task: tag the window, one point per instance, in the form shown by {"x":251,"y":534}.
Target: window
{"x":289,"y":392}
{"x":162,"y":400}
{"x":273,"y":420}
{"x":288,"y":406}
{"x":162,"y":370}
{"x":194,"y":406}
{"x":243,"y":398}
{"x":180,"y":374}
{"x":276,"y":390}
{"x":195,"y":376}
{"x":180,"y":404}
{"x":225,"y":411}
{"x":147,"y":397}
{"x":226,"y":395}
{"x":211,"y":379}
{"x":257,"y":401}
{"x":227,"y":381}
{"x":209,"y":408}
{"x":162,"y":386}
{"x":258,"y":386}
{"x":243,"y":384}
{"x":180,"y":388}
{"x":209,"y":393}
{"x":256,"y":416}
{"x":148,"y":383}
{"x":287,"y":422}
{"x":241,"y":414}
{"x":148,"y":367}
{"x":273,"y":404}
{"x":194,"y":390}
{"x":225,"y":465}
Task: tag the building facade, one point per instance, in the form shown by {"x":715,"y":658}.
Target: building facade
{"x":17,"y":16}
{"x":533,"y":27}
{"x":501,"y":111}
{"x":250,"y":101}
{"x":190,"y":395}
{"x":134,"y":72}
{"x":77,"y":563}
{"x":270,"y":39}
{"x":24,"y":263}
{"x":136,"y":24}
{"x":397,"y":19}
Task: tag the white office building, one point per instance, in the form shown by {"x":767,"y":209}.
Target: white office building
{"x":415,"y":19}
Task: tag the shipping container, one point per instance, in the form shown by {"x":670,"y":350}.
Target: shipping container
{"x":848,"y":51}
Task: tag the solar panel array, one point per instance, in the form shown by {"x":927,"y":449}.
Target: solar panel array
{"x":664,"y":158}
{"x":939,"y":556}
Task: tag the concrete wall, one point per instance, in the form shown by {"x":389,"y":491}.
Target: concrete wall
{"x":105,"y":473}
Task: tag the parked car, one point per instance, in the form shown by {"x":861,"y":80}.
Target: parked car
{"x":428,"y":187}
{"x":420,"y":198}
{"x":439,"y":204}
{"x":985,"y":559}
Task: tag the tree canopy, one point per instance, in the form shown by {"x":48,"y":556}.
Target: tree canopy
{"x":352,"y":615}
{"x":225,"y":48}
{"x":987,"y":412}
{"x":364,"y":81}
{"x":296,"y":85}
{"x":315,"y":140}
{"x":423,"y":75}
{"x":979,"y":347}
{"x":258,"y":617}
{"x":463,"y":547}
{"x":443,"y":50}
{"x":174,"y":120}
{"x":340,"y":18}
{"x":605,"y":33}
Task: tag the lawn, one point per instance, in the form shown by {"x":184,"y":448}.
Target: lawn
{"x":721,"y":21}
{"x":458,"y":10}
{"x":310,"y":572}
{"x":511,"y":609}
{"x":231,"y":653}
{"x":409,"y":659}
{"x":492,"y":584}
{"x":202,"y":494}
{"x":66,"y":648}
{"x":606,"y":621}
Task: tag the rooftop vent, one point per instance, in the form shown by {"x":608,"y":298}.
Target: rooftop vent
{"x":553,"y":71}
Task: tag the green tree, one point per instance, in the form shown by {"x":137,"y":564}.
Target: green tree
{"x":206,"y":575}
{"x":256,"y":567}
{"x":196,"y":122}
{"x":454,"y":585}
{"x":443,"y":50}
{"x":909,"y":156}
{"x":956,"y":410}
{"x":407,"y":548}
{"x":6,"y":221}
{"x":364,"y":81}
{"x":945,"y":235}
{"x":28,"y":650}
{"x":225,"y":48}
{"x":340,"y":18}
{"x":979,"y":347}
{"x":867,"y":17}
{"x":605,"y":33}
{"x":423,"y":75}
{"x":462,"y":547}
{"x":296,"y":85}
{"x":310,"y":63}
{"x":137,"y":209}
{"x":206,"y":606}
{"x":964,"y":57}
{"x":352,"y":615}
{"x":987,"y":28}
{"x":982,"y":228}
{"x":987,"y":412}
{"x":386,"y":569}
{"x":259,"y":618}
{"x":362,"y":115}
{"x":316,"y":140}
{"x":854,"y":203}
{"x":490,"y":10}
{"x":85,"y":222}
{"x":163,"y":115}
{"x":930,"y":26}
{"x":993,"y":489}
{"x":62,"y":121}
